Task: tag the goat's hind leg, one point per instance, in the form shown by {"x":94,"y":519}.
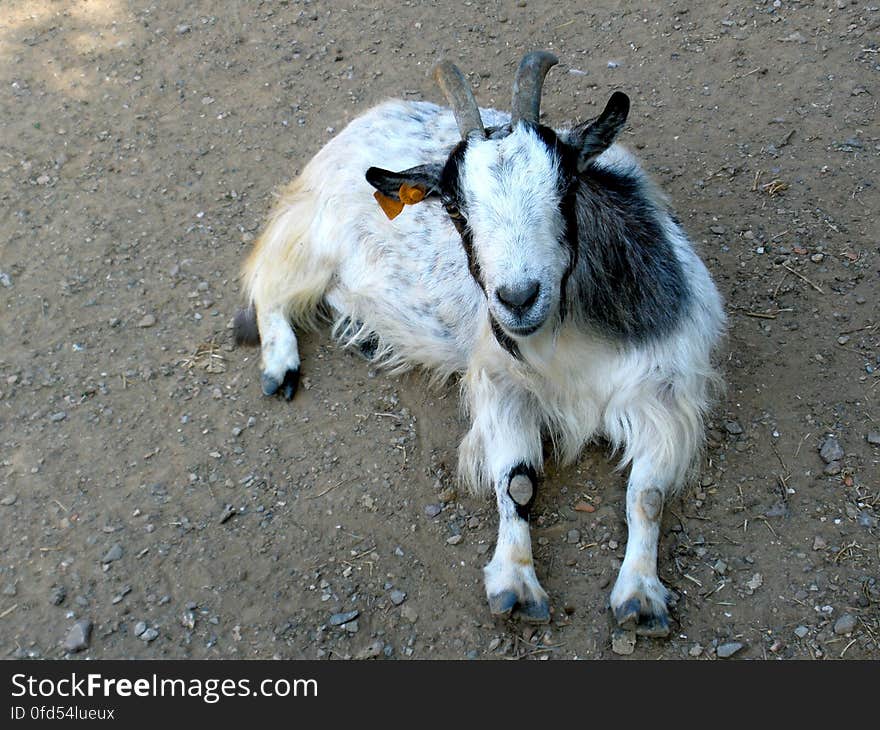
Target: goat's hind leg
{"x":285,"y":277}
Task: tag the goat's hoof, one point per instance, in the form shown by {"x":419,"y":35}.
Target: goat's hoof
{"x":502,"y":604}
{"x":286,"y":386}
{"x":507,"y":604}
{"x":631,"y":615}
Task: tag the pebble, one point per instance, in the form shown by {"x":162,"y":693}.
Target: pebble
{"x":819,"y":543}
{"x":182,"y":29}
{"x":454,"y":540}
{"x":371,"y":651}
{"x":447,"y":495}
{"x":140,"y":627}
{"x":10,"y":589}
{"x":831,"y":450}
{"x":833,"y":468}
{"x":5,"y":281}
{"x":432,"y":510}
{"x":8,"y":500}
{"x":57,"y":417}
{"x":873,"y":438}
{"x":78,"y":636}
{"x":733,"y":428}
{"x":584,"y":507}
{"x":148,"y":320}
{"x":801,"y":631}
{"x":727,"y":650}
{"x":340,"y":619}
{"x":720,"y":567}
{"x":573,"y":537}
{"x":113,"y":554}
{"x":57,"y":595}
{"x":695,"y":650}
{"x":149,"y":635}
{"x":846,"y":624}
{"x":351,"y":627}
{"x":718,"y":230}
{"x":409,"y":613}
{"x":623,"y":642}
{"x":397,"y":597}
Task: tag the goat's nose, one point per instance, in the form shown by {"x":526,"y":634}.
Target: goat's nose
{"x":519,"y":298}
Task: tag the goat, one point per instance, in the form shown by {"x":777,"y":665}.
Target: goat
{"x":541,"y":265}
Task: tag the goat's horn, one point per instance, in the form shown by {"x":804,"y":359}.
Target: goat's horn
{"x":526,"y":104}
{"x":460,"y":97}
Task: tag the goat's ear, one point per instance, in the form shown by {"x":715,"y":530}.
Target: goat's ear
{"x":394,"y":189}
{"x":596,"y":136}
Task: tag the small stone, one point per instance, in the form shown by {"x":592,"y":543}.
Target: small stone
{"x":612,"y":545}
{"x":58,"y":417}
{"x":57,"y":595}
{"x":8,"y":500}
{"x":584,"y":507}
{"x":623,"y":642}
{"x":733,"y":428}
{"x":397,"y":597}
{"x":831,"y":450}
{"x":573,"y":537}
{"x":78,"y":636}
{"x":149,"y":635}
{"x":756,"y":581}
{"x":846,"y":624}
{"x":432,"y":510}
{"x":113,"y":554}
{"x":873,"y":438}
{"x":188,"y":620}
{"x":718,"y":230}
{"x":695,"y":650}
{"x":720,"y":567}
{"x":227,"y":514}
{"x":182,"y":29}
{"x":727,"y":650}
{"x":833,"y":468}
{"x":473,"y":523}
{"x":454,"y":540}
{"x":351,"y":627}
{"x":371,"y":651}
{"x":819,"y":543}
{"x":801,"y":631}
{"x":340,"y":619}
{"x":236,"y":432}
{"x":5,"y":281}
{"x":140,"y":627}
{"x":409,"y":613}
{"x":10,"y":589}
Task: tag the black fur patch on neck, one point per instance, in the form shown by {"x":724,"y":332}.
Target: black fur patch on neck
{"x":523,"y":510}
{"x":506,"y":342}
{"x":623,"y":276}
{"x":628,"y":281}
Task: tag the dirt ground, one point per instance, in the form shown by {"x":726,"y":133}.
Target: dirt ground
{"x":148,"y":487}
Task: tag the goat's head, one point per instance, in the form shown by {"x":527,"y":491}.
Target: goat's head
{"x":509,"y":191}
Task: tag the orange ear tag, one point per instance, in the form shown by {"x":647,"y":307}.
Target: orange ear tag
{"x":411,"y":194}
{"x":389,"y":206}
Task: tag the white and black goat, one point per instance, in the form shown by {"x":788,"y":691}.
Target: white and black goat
{"x":540,"y":264}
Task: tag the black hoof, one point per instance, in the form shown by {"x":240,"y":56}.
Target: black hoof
{"x":287,"y":386}
{"x":534,"y":612}
{"x":632,"y":616}
{"x":502,"y":604}
{"x":657,"y":626}
{"x":368,"y":348}
{"x":627,"y":614}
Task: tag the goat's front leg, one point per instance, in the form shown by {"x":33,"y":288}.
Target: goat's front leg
{"x":638,"y":599}
{"x":504,"y":445}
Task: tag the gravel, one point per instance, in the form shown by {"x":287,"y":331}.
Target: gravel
{"x":623,"y":642}
{"x":801,"y":631}
{"x":397,"y":597}
{"x":728,"y":649}
{"x":831,"y":450}
{"x":113,"y":554}
{"x":78,"y":636}
{"x":340,"y":619}
{"x":846,"y":624}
